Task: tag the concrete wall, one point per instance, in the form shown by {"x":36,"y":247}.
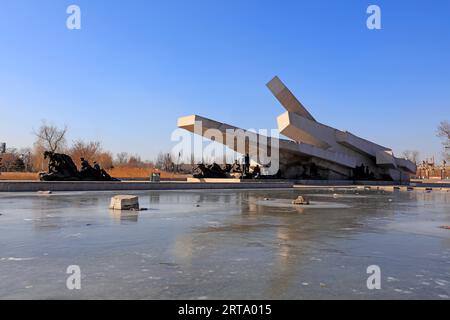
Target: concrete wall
{"x":34,"y":186}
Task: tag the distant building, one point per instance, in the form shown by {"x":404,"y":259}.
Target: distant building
{"x":430,"y":170}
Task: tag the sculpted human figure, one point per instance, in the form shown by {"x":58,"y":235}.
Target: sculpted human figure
{"x":256,"y":172}
{"x":85,"y":166}
{"x":104,"y":175}
{"x":246,"y":163}
{"x":236,"y":167}
{"x":210,"y":171}
{"x":62,"y":168}
{"x":313,"y":170}
{"x":58,"y":169}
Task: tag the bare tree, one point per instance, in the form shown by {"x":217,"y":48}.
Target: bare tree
{"x":87,"y":150}
{"x":37,"y":158}
{"x":105,"y":160}
{"x":25,"y":155}
{"x":159,"y":163}
{"x":50,"y":137}
{"x":443,"y":132}
{"x":11,"y":160}
{"x":135,"y":161}
{"x":411,"y":155}
{"x":165,"y":162}
{"x":122,"y":158}
{"x":169,"y":165}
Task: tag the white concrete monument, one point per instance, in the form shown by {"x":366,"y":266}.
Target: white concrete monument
{"x":315,"y":151}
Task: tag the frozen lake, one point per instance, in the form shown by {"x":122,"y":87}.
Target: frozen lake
{"x":226,"y":245}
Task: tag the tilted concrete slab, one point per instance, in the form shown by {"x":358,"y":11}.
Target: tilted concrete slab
{"x":386,"y":159}
{"x":188,"y":123}
{"x":301,"y":149}
{"x":301,"y":129}
{"x":359,"y":144}
{"x":332,"y":156}
{"x":315,"y":133}
{"x":222,"y":133}
{"x":406,"y":165}
{"x":287,"y":99}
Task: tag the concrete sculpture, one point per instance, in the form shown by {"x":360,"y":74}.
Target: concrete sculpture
{"x":315,"y":151}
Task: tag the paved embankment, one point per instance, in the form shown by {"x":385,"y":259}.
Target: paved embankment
{"x":30,"y":186}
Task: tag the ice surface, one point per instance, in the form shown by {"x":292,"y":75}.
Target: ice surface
{"x":234,"y":245}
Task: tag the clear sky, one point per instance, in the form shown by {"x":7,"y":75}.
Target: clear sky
{"x":136,"y":66}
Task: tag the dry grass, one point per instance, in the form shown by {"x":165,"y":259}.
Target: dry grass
{"x":19,"y":176}
{"x":119,"y":172}
{"x":143,"y":173}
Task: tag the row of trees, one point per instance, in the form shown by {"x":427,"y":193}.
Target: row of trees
{"x":411,"y":155}
{"x":443,"y":132}
{"x":52,"y":138}
{"x":16,"y":160}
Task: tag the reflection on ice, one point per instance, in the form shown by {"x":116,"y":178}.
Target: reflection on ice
{"x":313,"y":205}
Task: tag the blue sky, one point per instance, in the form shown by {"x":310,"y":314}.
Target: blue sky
{"x":136,"y":66}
